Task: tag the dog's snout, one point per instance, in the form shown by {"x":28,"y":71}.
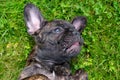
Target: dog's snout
{"x":75,"y":33}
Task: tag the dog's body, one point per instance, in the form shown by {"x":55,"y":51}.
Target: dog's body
{"x":57,"y":42}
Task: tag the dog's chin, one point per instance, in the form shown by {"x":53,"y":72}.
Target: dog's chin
{"x":74,"y":49}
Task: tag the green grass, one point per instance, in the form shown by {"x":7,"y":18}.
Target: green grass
{"x":100,"y":56}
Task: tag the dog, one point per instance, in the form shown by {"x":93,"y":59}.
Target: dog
{"x":56,"y":42}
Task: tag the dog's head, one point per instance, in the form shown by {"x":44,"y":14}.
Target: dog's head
{"x":64,"y":38}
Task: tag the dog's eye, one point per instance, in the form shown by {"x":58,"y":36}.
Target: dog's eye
{"x":57,"y":30}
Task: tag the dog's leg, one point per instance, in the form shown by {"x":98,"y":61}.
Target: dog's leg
{"x":35,"y":72}
{"x":37,"y":77}
{"x":62,"y":70}
{"x":79,"y":75}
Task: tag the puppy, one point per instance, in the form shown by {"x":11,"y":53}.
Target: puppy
{"x":57,"y":41}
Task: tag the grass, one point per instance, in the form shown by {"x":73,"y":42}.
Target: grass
{"x":99,"y":56}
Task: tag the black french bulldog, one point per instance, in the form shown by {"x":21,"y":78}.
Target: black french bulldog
{"x":57,"y":42}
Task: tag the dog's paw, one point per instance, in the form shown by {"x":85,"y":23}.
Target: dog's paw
{"x":62,"y":71}
{"x":80,"y":75}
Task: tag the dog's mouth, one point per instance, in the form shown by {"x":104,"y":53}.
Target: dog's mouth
{"x":74,"y":49}
{"x":71,"y":47}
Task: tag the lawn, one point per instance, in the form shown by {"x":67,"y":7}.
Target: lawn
{"x":100,"y":55}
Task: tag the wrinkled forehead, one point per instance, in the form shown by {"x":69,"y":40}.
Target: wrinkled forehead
{"x":62,"y":23}
{"x":50,"y":25}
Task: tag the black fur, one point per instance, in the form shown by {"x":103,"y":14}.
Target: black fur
{"x":57,"y":42}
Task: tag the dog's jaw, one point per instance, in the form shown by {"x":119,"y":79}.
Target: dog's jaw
{"x":75,"y":47}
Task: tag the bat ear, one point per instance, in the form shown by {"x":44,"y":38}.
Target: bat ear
{"x":33,"y":18}
{"x":79,"y":23}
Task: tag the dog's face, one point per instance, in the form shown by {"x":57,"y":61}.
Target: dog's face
{"x":63,"y":35}
{"x":56,"y":42}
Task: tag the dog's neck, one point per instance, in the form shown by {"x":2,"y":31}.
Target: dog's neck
{"x":47,"y":54}
{"x":43,"y":57}
{"x":48,"y":46}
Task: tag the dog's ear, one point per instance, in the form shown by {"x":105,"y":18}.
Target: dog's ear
{"x":33,"y":18}
{"x":79,"y":23}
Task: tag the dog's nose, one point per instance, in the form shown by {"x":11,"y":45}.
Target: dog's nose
{"x":75,"y":33}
